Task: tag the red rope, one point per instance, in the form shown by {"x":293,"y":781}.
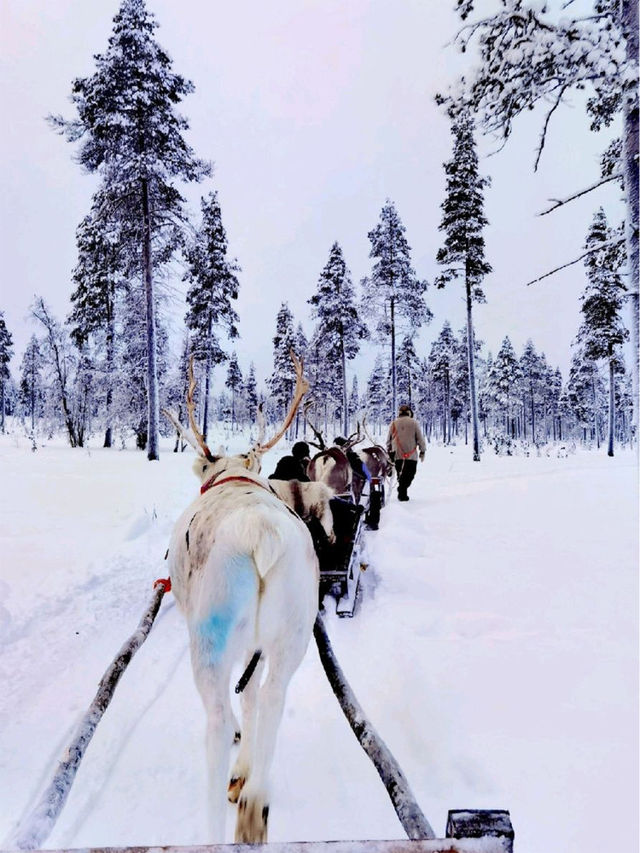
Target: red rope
{"x":213,"y":482}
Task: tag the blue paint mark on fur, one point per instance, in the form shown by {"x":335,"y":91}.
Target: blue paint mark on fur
{"x":215,"y":630}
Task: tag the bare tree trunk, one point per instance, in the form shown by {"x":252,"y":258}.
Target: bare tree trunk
{"x":472,"y":375}
{"x":595,"y":413}
{"x":533,"y":417}
{"x":108,"y":435}
{"x":629,"y":21}
{"x":612,"y":403}
{"x":153,"y":413}
{"x":2,"y":405}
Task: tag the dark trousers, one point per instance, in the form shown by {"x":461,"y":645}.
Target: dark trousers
{"x":406,"y":470}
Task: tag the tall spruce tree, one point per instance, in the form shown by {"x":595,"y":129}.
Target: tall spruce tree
{"x":463,"y":251}
{"x":130,"y":132}
{"x":283,"y":378}
{"x":30,"y":378}
{"x":532,"y":382}
{"x":234,"y":382}
{"x":251,"y":393}
{"x":377,"y":392}
{"x":334,"y":307}
{"x":407,"y":369}
{"x":585,"y":394}
{"x":98,"y":277}
{"x":393,"y":293}
{"x":441,"y":365}
{"x":354,"y":400}
{"x":503,"y":382}
{"x":6,"y":352}
{"x":602,"y":331}
{"x":213,"y":287}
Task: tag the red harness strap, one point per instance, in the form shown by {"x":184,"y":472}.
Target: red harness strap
{"x":238,"y":479}
{"x":399,"y":446}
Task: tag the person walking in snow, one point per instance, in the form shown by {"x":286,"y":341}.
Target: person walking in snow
{"x":404,"y":440}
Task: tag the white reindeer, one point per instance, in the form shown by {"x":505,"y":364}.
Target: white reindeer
{"x":245,"y":576}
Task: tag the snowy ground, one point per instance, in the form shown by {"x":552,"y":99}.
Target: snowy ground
{"x":495,"y":649}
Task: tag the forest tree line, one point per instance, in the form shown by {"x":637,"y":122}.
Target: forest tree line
{"x":108,"y":367}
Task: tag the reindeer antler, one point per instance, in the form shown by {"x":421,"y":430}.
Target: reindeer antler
{"x":171,"y":416}
{"x":302,"y":386}
{"x":314,"y":430}
{"x":365,"y":430}
{"x":355,"y":438}
{"x":191,"y":409}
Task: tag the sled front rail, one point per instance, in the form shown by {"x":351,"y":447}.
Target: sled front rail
{"x":438,"y":845}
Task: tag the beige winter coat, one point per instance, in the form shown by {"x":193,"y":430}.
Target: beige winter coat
{"x":405,"y":437}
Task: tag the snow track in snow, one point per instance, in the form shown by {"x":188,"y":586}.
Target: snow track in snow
{"x":494,"y":649}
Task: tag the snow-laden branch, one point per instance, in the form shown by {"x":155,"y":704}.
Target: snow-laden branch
{"x":36,"y":827}
{"x":560,"y":202}
{"x":609,"y":244}
{"x":409,"y":812}
{"x":543,"y":135}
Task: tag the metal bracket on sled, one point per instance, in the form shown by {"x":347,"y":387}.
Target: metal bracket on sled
{"x":481,"y":823}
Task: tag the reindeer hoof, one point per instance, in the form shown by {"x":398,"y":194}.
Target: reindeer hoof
{"x":236,"y":784}
{"x":236,"y":736}
{"x":251,"y":825}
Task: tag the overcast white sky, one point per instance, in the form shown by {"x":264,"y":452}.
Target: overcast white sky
{"x":314,"y":112}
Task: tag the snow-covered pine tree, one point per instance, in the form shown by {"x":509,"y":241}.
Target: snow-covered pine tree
{"x":531,"y":384}
{"x":602,"y":331}
{"x":98,"y":277}
{"x":325,"y":382}
{"x":6,"y":353}
{"x":553,"y":397}
{"x":354,"y":400}
{"x":234,"y":382}
{"x":393,"y":294}
{"x":585,"y":394}
{"x":130,"y":132}
{"x":251,"y":394}
{"x":130,"y":393}
{"x":301,"y":350}
{"x":177,"y":387}
{"x":213,"y":287}
{"x":463,"y":221}
{"x":533,"y":52}
{"x":504,"y":385}
{"x":334,"y":307}
{"x":441,"y":363}
{"x":544,"y":398}
{"x":460,"y":391}
{"x":377,"y":391}
{"x":407,"y":366}
{"x":426,"y":404}
{"x":31,"y":391}
{"x":283,"y":378}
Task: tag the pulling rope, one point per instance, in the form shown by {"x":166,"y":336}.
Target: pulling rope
{"x":409,"y":812}
{"x":36,"y":827}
